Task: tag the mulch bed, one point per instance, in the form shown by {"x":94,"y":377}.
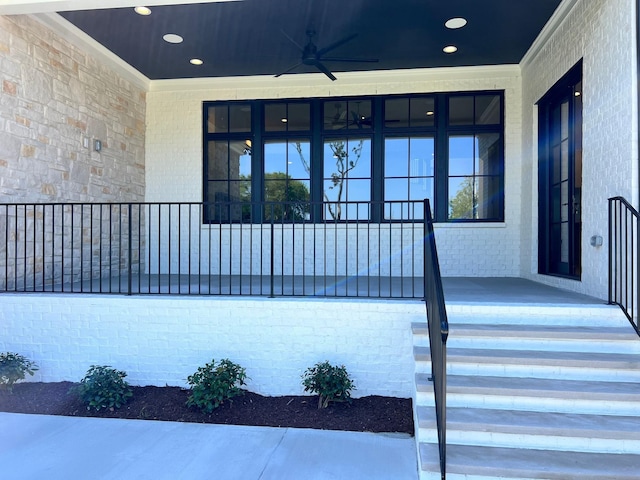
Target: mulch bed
{"x":366,"y":414}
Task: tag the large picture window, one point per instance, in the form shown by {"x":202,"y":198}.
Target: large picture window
{"x":356,"y":158}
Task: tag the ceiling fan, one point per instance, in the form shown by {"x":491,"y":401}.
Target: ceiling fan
{"x":313,"y":56}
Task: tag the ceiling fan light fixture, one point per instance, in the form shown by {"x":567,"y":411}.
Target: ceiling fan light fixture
{"x":144,"y":11}
{"x":455,"y":23}
{"x":172,"y":38}
{"x":450,"y":49}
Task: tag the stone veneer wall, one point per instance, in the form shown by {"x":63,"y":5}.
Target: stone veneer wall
{"x":54,"y":96}
{"x":602,"y":33}
{"x":55,"y":101}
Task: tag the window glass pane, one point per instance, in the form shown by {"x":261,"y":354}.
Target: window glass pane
{"x":396,"y":113}
{"x":274,"y":114}
{"x":299,"y":116}
{"x":275,"y":157}
{"x":218,"y":119}
{"x":298,"y":159}
{"x":360,"y":117}
{"x":462,"y":198}
{"x":487,"y":110}
{"x":218,"y":192}
{"x":396,"y":157}
{"x":461,"y":155}
{"x":487,"y":154}
{"x":461,"y":110}
{"x":335,"y":115}
{"x":240,"y":117}
{"x":489,"y":198}
{"x":396,"y":189}
{"x":422,"y":156}
{"x":218,"y":158}
{"x":347,"y":177}
{"x":239,"y":161}
{"x":422,"y":112}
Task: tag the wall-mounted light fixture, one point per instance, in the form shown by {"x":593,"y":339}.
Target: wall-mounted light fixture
{"x":97,"y":145}
{"x":595,"y":241}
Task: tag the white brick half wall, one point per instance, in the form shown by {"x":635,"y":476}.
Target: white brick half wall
{"x":162,"y":340}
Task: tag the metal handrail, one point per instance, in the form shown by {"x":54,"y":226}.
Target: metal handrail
{"x":438,"y":332}
{"x":624,"y":260}
{"x":370,"y":249}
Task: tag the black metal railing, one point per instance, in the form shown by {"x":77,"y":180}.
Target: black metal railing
{"x":364,"y":249}
{"x":624,"y":261}
{"x":438,"y":333}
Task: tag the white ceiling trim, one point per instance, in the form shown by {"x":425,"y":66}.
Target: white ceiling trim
{"x":77,"y":37}
{"x":345,"y":79}
{"x":24,"y":7}
{"x":561,"y":13}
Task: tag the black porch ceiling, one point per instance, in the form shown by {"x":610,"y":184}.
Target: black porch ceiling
{"x":241,"y":38}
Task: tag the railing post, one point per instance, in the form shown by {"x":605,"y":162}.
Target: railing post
{"x":271,"y":279}
{"x":610,"y":251}
{"x":130,"y":250}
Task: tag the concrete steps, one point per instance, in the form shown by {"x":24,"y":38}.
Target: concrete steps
{"x":549,"y":393}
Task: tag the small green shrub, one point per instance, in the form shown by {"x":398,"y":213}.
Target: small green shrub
{"x":14,"y":367}
{"x":331,"y":383}
{"x":104,"y":387}
{"x":212,"y":384}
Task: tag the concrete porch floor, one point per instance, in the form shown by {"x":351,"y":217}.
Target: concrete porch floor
{"x":483,"y":290}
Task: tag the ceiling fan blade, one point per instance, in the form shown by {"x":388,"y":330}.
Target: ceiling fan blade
{"x":335,"y":59}
{"x":292,"y":40}
{"x":325,"y":70}
{"x":293,"y":67}
{"x":324,"y":50}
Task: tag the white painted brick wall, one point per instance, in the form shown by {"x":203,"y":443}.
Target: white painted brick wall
{"x":174,"y":146}
{"x":162,"y":340}
{"x":602,"y":32}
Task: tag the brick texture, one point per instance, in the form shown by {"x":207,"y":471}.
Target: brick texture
{"x":162,"y":340}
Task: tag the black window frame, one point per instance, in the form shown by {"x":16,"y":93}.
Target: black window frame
{"x":378,"y":132}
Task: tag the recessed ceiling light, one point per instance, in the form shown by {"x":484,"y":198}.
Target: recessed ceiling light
{"x":450,"y":49}
{"x":172,"y":38}
{"x":454,"y":23}
{"x":577,"y":93}
{"x":196,"y":61}
{"x":283,"y":120}
{"x":142,"y":10}
{"x":429,"y":113}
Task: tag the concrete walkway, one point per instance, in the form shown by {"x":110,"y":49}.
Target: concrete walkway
{"x":38,"y":447}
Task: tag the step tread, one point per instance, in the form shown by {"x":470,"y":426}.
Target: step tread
{"x":592,"y":359}
{"x":539,"y":423}
{"x":500,"y":462}
{"x":548,"y":332}
{"x":517,"y":386}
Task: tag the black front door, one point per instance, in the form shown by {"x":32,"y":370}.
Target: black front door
{"x":560,"y":177}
